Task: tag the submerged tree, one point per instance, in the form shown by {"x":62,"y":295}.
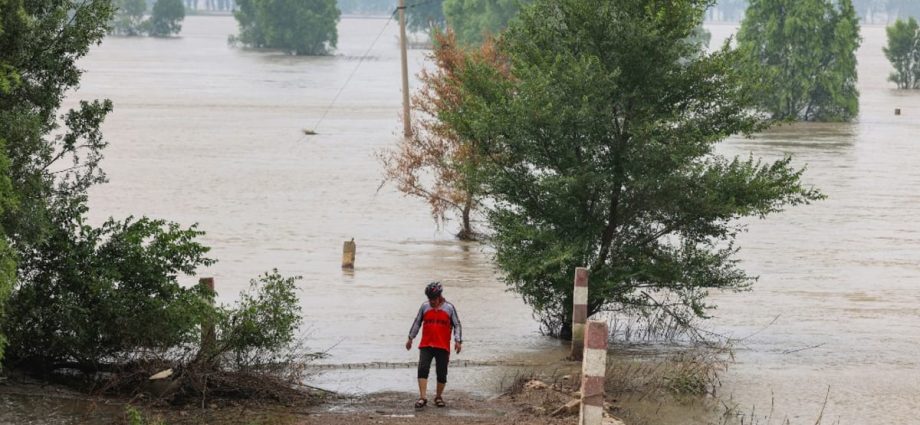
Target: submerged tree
{"x":474,"y":20}
{"x":801,"y":55}
{"x":431,"y":163}
{"x":129,"y":17}
{"x":903,"y":51}
{"x":597,"y":150}
{"x":425,"y":16}
{"x":300,"y":27}
{"x":166,"y":19}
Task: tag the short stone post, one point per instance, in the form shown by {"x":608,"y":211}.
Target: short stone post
{"x":208,"y":335}
{"x":579,"y":312}
{"x":593,"y":371}
{"x":348,"y":254}
{"x":897,"y":111}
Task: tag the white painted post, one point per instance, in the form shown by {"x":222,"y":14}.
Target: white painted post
{"x":579,"y":312}
{"x":593,"y":371}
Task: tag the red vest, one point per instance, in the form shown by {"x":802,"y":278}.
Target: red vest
{"x":436,"y":329}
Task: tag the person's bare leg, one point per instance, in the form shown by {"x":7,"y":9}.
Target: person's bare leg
{"x":440,"y":389}
{"x":423,"y":388}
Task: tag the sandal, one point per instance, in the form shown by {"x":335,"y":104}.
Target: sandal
{"x":438,"y":401}
{"x":422,"y":402}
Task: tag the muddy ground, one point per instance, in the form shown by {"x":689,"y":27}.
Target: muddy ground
{"x":33,"y":403}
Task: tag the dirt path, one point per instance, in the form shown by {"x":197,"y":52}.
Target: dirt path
{"x":397,"y":408}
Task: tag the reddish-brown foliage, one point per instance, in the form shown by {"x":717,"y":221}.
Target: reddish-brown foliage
{"x":430,"y":163}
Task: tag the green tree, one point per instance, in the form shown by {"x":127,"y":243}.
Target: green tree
{"x":53,"y":159}
{"x":8,"y":79}
{"x":598,"y":151}
{"x":129,"y":18}
{"x":472,"y":20}
{"x":301,"y":27}
{"x":903,"y":51}
{"x":423,"y":16}
{"x":166,"y":19}
{"x":801,"y":55}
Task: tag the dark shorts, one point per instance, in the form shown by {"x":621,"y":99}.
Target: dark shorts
{"x":441,"y":358}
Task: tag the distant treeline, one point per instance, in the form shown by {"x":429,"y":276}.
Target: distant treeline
{"x":370,"y":7}
{"x":869,"y":11}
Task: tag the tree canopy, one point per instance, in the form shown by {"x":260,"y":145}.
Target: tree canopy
{"x":472,"y":20}
{"x":903,"y":51}
{"x":166,"y":19}
{"x":423,"y":16}
{"x":596,"y":137}
{"x":801,"y":56}
{"x":129,"y":17}
{"x":9,"y":79}
{"x":300,"y":27}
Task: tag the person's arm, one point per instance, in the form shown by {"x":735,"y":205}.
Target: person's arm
{"x":457,"y":327}
{"x":416,"y":325}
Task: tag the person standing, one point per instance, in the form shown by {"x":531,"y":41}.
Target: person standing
{"x":437,"y":319}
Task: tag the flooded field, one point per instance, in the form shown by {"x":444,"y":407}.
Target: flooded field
{"x":205,"y":133}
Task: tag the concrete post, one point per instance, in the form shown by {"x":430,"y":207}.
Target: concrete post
{"x":593,"y":371}
{"x":404,"y":60}
{"x":579,"y":312}
{"x":207,"y":329}
{"x":348,"y":254}
{"x":897,"y":111}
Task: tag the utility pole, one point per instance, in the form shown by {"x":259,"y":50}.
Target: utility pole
{"x":407,"y":124}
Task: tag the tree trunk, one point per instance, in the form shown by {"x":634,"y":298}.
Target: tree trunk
{"x":466,"y":231}
{"x":565,"y":333}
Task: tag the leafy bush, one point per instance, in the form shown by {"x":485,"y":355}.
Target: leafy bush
{"x":264,"y":321}
{"x":166,"y":19}
{"x":100,"y":294}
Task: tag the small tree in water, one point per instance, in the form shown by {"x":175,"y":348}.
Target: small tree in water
{"x":430,"y":164}
{"x":903,"y":51}
{"x":166,"y":19}
{"x":129,"y":17}
{"x":801,"y":57}
{"x":300,"y":27}
{"x":595,"y":148}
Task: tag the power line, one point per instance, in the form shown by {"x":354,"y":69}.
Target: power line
{"x":353,"y":72}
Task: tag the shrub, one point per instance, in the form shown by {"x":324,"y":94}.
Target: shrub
{"x":98,"y":294}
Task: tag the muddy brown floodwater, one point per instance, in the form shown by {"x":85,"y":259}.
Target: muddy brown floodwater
{"x":204,"y":133}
